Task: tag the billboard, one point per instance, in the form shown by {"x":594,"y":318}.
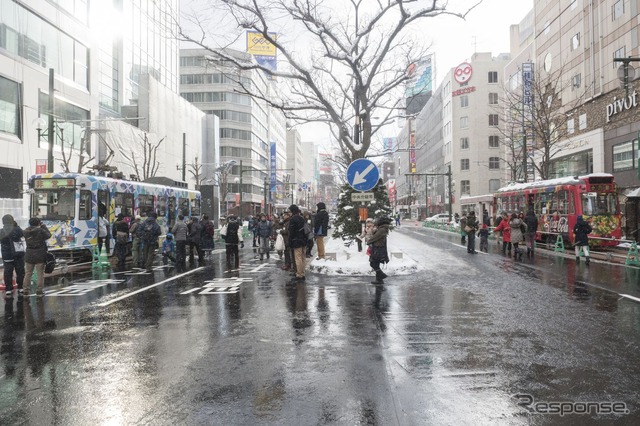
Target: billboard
{"x":420,"y":75}
{"x":262,"y":49}
{"x":388,"y":144}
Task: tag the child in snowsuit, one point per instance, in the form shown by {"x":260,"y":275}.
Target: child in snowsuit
{"x":484,"y":238}
{"x":168,"y":249}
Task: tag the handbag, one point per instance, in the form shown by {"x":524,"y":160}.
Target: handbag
{"x":20,"y":246}
{"x":279,"y":245}
{"x":122,"y":237}
{"x":50,"y":263}
{"x":467,"y":228}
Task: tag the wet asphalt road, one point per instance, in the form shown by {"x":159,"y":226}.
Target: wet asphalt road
{"x":452,"y":344}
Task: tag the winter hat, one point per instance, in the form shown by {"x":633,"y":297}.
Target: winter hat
{"x":7,"y":219}
{"x":34,"y":221}
{"x":484,"y":226}
{"x":580,"y":217}
{"x":169,"y":236}
{"x":321,"y":205}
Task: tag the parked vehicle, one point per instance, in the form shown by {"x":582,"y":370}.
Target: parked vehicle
{"x":438,"y":218}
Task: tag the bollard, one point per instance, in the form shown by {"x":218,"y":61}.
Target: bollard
{"x":632,"y":255}
{"x":559,"y":247}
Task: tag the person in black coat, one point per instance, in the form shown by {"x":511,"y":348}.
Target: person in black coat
{"x":120,"y":231}
{"x":12,"y":257}
{"x":298,"y":239}
{"x":36,"y":236}
{"x":581,"y":230}
{"x":532,"y":226}
{"x":321,"y":226}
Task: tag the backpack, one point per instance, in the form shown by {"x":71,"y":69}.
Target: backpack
{"x":308,"y":232}
{"x":232,"y":233}
{"x":148,"y":234}
{"x":50,"y":263}
{"x":209,"y":229}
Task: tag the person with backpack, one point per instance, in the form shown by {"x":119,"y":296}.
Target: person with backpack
{"x":180,"y":231}
{"x":208,"y":232}
{"x":321,"y":227}
{"x":265,"y":229}
{"x":136,"y":248}
{"x":120,"y":231}
{"x":581,"y":231}
{"x":195,"y":231}
{"x":36,"y":236}
{"x":12,"y":247}
{"x":168,"y":249}
{"x":149,"y":232}
{"x":378,"y":243}
{"x":298,"y":239}
{"x":232,"y":234}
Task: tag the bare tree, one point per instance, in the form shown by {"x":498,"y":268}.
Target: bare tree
{"x":540,"y":115}
{"x":195,"y":170}
{"x":68,"y":151}
{"x":352,"y":70}
{"x":149,"y":165}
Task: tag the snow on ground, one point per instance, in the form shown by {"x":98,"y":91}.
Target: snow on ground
{"x":351,"y":262}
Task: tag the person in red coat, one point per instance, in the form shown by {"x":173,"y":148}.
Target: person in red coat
{"x":506,"y":233}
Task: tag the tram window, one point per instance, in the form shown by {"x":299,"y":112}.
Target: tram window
{"x":162,"y":206}
{"x":172,"y":211}
{"x":124,"y":204}
{"x":145,"y":204}
{"x":184,"y":207}
{"x":588,"y":201}
{"x":55,"y":205}
{"x":572,"y":203}
{"x":195,"y":208}
{"x":85,"y":212}
{"x":563,"y":202}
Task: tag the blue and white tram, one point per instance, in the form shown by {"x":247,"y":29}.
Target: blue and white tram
{"x":69,"y":204}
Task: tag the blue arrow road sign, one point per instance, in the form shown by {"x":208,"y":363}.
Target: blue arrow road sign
{"x":362,"y":174}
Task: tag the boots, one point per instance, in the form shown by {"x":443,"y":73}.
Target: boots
{"x":577,"y":259}
{"x":382,"y":274}
{"x":586,"y":261}
{"x":379,"y":277}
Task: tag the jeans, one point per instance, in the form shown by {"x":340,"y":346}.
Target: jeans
{"x":149,"y":254}
{"x":471,"y":242}
{"x":320,"y":244}
{"x":264,"y":247}
{"x":29,"y":267}
{"x":181,"y":255}
{"x":300,"y":256}
{"x":121,"y":251}
{"x":17,"y":265}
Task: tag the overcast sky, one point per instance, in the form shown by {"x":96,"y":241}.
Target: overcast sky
{"x":486,"y":29}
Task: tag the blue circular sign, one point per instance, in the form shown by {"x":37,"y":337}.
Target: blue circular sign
{"x":362,"y":174}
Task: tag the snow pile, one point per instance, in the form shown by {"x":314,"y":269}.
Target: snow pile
{"x":351,"y":262}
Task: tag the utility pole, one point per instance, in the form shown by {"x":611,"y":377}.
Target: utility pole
{"x":50,"y":133}
{"x":184,"y":157}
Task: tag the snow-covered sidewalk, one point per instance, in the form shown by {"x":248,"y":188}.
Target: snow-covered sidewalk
{"x":351,"y":262}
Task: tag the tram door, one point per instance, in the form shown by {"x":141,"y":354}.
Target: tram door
{"x":632,"y":219}
{"x":103,"y":204}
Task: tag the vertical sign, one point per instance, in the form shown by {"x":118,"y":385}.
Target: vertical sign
{"x":527,"y":103}
{"x":391,"y":190}
{"x":262,"y":49}
{"x":412,"y":152}
{"x":272,"y":168}
{"x":41,"y":167}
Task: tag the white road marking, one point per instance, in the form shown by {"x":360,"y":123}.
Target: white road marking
{"x":630,"y":297}
{"x":117,"y":299}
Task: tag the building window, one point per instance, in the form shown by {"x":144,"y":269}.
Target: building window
{"x":575,"y":41}
{"x":582,"y":121}
{"x":9,"y":107}
{"x":620,"y":53}
{"x":570,"y":126}
{"x":623,"y":156}
{"x":465,"y":187}
{"x":494,"y":163}
{"x":493,"y":76}
{"x":464,"y":122}
{"x":464,"y":143}
{"x":464,"y":164}
{"x":464,"y":101}
{"x":617,"y":9}
{"x":494,"y":185}
{"x":493,"y":120}
{"x":494,"y":141}
{"x":576,"y":81}
{"x":493,"y":99}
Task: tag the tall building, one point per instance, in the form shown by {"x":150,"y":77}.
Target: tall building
{"x":252,"y":133}
{"x":114,"y":87}
{"x":295,"y":162}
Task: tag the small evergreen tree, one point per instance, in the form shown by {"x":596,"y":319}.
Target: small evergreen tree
{"x":347,"y":223}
